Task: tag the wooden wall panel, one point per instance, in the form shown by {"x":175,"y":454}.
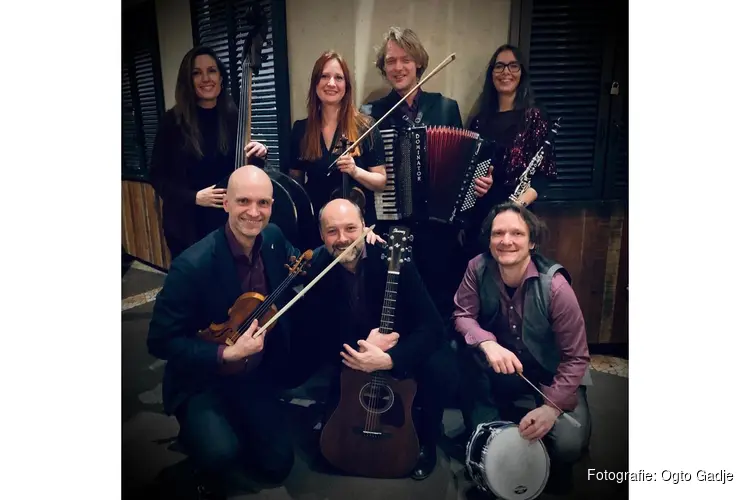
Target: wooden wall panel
{"x":620,"y":314}
{"x":588,"y":240}
{"x":142,"y":234}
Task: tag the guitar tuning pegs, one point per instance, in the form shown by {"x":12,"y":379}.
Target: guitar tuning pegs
{"x":382,"y":256}
{"x":411,"y":237}
{"x":408,"y":259}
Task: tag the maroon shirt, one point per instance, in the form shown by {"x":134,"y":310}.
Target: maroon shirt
{"x":251,"y":273}
{"x":565,"y":317}
{"x":411,"y":111}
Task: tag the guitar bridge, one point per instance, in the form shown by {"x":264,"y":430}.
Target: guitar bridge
{"x":371,"y":434}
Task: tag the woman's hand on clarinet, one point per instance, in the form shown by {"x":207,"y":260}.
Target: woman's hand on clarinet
{"x":246,"y":345}
{"x":254,"y":148}
{"x":483,"y":184}
{"x":210,"y":197}
{"x":346,"y":165}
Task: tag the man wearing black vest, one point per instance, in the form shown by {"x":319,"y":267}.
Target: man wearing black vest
{"x":517,"y":312}
{"x":402,"y":60}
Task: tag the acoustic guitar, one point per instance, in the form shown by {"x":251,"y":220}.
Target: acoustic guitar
{"x":371,"y":432}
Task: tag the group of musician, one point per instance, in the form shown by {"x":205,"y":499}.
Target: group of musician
{"x":477,"y":304}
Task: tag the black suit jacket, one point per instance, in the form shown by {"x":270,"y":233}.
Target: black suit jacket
{"x":416,"y":318}
{"x":436,"y":110}
{"x":200,"y":288}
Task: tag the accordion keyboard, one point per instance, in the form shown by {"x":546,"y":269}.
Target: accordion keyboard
{"x":386,"y":206}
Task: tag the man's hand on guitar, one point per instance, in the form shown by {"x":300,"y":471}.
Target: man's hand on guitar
{"x":371,"y":358}
{"x":246,"y":345}
{"x":384,"y":341}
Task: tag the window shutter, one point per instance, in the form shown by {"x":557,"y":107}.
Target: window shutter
{"x":221,"y":25}
{"x":566,"y":63}
{"x":142,"y":92}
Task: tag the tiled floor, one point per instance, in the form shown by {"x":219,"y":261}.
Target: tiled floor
{"x":610,"y":364}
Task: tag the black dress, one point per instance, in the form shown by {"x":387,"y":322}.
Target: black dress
{"x":177,"y":175}
{"x":320,"y":187}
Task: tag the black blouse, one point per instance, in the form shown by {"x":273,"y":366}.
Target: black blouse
{"x":321,"y":187}
{"x":177,"y":175}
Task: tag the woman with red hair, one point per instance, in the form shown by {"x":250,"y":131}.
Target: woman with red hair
{"x":332,"y":123}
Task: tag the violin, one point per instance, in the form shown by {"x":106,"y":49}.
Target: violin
{"x":251,"y":306}
{"x":355,"y":193}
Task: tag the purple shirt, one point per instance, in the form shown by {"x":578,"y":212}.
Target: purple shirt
{"x":566,"y":321}
{"x":251,"y":274}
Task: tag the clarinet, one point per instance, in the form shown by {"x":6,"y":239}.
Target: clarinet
{"x":524,"y":181}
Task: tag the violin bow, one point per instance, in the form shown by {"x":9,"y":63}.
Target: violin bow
{"x":440,"y":66}
{"x":312,"y":283}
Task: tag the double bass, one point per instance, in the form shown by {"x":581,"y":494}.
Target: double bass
{"x":371,"y":432}
{"x":292,"y":207}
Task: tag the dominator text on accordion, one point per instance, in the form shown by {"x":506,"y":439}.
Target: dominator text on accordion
{"x":430,"y":172}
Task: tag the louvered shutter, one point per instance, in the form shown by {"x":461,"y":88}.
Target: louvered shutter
{"x":566,"y":60}
{"x":221,"y":25}
{"x":142,"y":92}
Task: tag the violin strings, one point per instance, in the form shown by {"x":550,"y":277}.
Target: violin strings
{"x":266,"y":304}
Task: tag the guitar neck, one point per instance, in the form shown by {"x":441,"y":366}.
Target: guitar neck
{"x":389,"y":303}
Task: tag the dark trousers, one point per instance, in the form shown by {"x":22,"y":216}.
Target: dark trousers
{"x":437,"y":382}
{"x":236,"y":427}
{"x":495,"y":396}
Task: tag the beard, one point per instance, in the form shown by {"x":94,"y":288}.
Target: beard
{"x":351,"y":255}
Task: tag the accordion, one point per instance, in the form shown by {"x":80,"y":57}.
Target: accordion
{"x":430,"y":172}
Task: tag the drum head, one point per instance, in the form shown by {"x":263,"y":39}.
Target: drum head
{"x":514,"y":467}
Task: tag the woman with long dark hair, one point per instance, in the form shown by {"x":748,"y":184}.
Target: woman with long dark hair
{"x":316,"y":141}
{"x":194,"y":150}
{"x":510,"y":116}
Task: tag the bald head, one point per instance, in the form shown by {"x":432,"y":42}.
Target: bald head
{"x":338,"y":208}
{"x":248,"y":202}
{"x":340,"y":225}
{"x":251,"y":177}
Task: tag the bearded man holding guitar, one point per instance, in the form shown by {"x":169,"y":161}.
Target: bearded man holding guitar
{"x":384,"y":333}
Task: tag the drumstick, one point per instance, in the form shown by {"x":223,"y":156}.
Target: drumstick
{"x":310,"y":285}
{"x":440,"y":66}
{"x":564,"y":415}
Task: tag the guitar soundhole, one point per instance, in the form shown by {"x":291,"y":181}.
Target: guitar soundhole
{"x":376,"y":397}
